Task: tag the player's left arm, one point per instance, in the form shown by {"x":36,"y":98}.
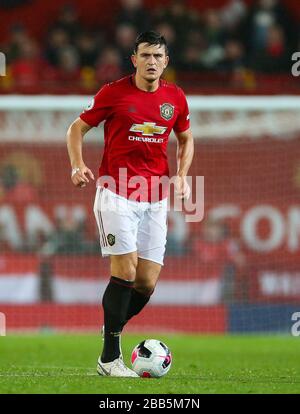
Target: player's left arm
{"x":185,"y":153}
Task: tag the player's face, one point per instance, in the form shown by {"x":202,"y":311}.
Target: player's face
{"x":150,"y":61}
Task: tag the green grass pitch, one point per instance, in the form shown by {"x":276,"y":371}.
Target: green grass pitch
{"x":52,"y":363}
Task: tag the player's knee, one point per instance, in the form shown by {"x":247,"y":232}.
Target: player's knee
{"x":124,"y":267}
{"x":145,"y":289}
{"x":127,"y":271}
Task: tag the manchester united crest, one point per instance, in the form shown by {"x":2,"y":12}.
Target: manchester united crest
{"x":111,"y":239}
{"x":166,"y":111}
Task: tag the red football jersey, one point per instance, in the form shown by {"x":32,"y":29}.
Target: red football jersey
{"x":136,"y":131}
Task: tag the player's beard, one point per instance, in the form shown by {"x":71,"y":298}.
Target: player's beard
{"x":149,"y":80}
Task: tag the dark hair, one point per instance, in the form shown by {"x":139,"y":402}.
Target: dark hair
{"x":152,"y":38}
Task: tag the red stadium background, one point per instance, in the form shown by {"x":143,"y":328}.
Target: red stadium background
{"x":238,"y":269}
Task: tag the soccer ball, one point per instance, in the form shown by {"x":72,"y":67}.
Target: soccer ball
{"x":151,"y":358}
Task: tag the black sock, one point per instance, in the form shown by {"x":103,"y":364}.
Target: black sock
{"x":115,"y":303}
{"x":137,"y":302}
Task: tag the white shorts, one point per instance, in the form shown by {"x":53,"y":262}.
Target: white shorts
{"x":127,"y":226}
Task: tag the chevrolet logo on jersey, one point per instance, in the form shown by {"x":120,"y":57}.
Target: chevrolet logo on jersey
{"x":148,"y":129}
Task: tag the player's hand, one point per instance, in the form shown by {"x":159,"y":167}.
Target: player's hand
{"x":182,"y":189}
{"x":79,"y":176}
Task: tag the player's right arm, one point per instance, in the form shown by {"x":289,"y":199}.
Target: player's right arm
{"x":75,"y":134}
{"x":96,"y":112}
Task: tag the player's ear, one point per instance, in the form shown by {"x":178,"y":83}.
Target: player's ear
{"x":133,"y":60}
{"x":166,"y":61}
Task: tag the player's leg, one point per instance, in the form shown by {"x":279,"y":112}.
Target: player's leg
{"x":117,"y":229}
{"x":151,"y":241}
{"x":116,"y":301}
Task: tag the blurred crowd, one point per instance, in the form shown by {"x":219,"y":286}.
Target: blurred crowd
{"x":260,"y":38}
{"x":68,"y":234}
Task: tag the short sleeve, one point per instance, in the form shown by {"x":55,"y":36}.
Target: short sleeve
{"x":99,"y":108}
{"x":183,"y":119}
